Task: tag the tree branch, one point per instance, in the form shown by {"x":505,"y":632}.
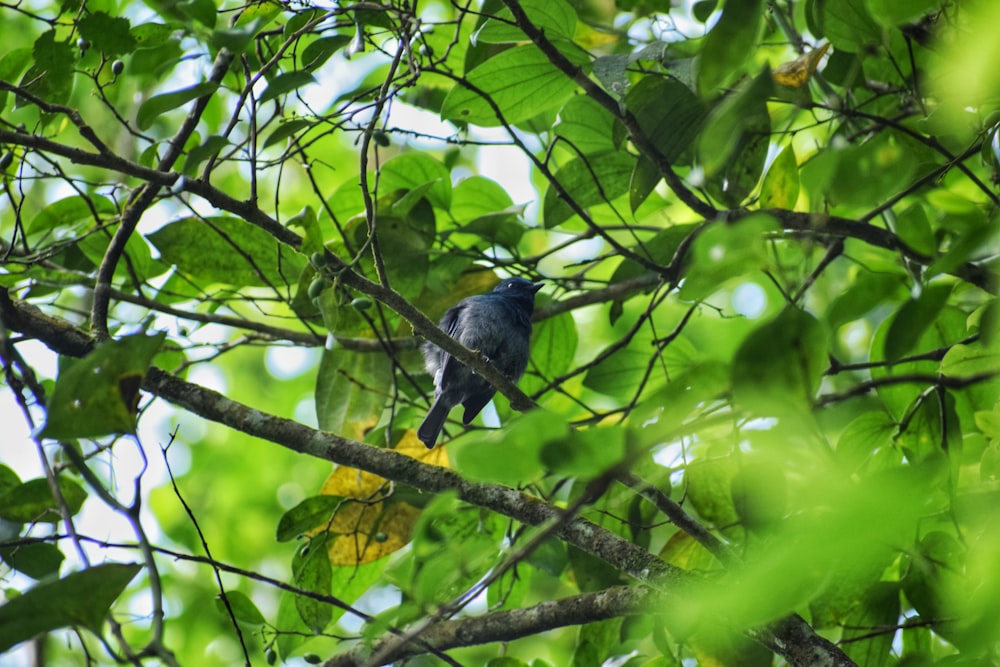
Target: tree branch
{"x":504,"y":626}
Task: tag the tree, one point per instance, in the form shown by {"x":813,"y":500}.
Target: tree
{"x":761,"y":417}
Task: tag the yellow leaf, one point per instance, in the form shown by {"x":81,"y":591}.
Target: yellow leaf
{"x":368,"y":525}
{"x":376,"y":533}
{"x":796,"y":73}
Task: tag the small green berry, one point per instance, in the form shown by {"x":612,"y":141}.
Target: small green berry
{"x":271,"y":656}
{"x":82,"y":44}
{"x":117,"y":67}
{"x":381,"y":138}
{"x":381,"y":537}
{"x":318,"y":259}
{"x":362,"y":303}
{"x":6,"y":160}
{"x":316,"y":288}
{"x":312,"y":658}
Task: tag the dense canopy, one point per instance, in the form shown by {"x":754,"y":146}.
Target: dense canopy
{"x":761,"y":420}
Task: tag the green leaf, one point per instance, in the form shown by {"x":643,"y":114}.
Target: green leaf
{"x":349,"y":388}
{"x":963,"y":361}
{"x":645,"y":177}
{"x":618,"y":373}
{"x":509,"y":455}
{"x":237,"y":39}
{"x":708,"y":484}
{"x":8,"y":479}
{"x":586,"y":126}
{"x":243,"y":608}
{"x":521,"y":82}
{"x":892,"y":13}
{"x":726,"y":251}
{"x":227,"y":250}
{"x":589,"y":181}
{"x":702,"y":10}
{"x":867,"y":174}
{"x":311,"y":570}
{"x":728,"y":46}
{"x":733,"y":146}
{"x":294,"y":633}
{"x":913,"y":318}
{"x":285,"y":83}
{"x":158,"y":105}
{"x":33,"y":501}
{"x":555,"y":17}
{"x":585,"y":454}
{"x":202,"y":11}
{"x":670,"y":115}
{"x":732,"y":123}
{"x":13,"y":63}
{"x":99,"y":394}
{"x":550,"y":557}
{"x":778,"y":368}
{"x":199,"y":154}
{"x":483,"y":209}
{"x":79,"y":599}
{"x":974,"y":244}
{"x":864,"y":437}
{"x":410,"y":171}
{"x":310,"y":513}
{"x":152,"y":35}
{"x":110,"y":34}
{"x":949,"y":326}
{"x":553,"y":345}
{"x":780,"y":188}
{"x":285,"y":130}
{"x":50,"y":76}
{"x":849,"y":26}
{"x":320,"y":50}
{"x":865,"y":292}
{"x":63,"y":215}
{"x":678,"y":400}
{"x":38,"y":560}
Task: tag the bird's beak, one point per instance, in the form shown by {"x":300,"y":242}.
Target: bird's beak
{"x":536,"y":286}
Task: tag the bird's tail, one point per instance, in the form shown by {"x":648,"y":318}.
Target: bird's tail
{"x":433,"y":423}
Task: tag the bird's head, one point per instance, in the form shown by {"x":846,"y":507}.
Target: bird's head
{"x":518,"y":287}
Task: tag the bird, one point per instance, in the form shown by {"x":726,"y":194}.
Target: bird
{"x":498,"y":326}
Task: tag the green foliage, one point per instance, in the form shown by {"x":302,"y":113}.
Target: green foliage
{"x":765,"y":366}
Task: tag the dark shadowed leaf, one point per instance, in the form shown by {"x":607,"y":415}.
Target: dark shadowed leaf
{"x":79,"y":599}
{"x":98,"y":395}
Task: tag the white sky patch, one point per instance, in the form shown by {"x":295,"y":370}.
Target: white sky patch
{"x":749,"y":300}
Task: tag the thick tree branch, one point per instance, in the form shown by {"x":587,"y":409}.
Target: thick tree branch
{"x":504,"y":626}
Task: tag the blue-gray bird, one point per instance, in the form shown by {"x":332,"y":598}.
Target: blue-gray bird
{"x":498,"y":326}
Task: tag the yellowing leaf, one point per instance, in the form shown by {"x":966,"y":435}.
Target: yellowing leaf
{"x":378,"y":533}
{"x":796,"y":73}
{"x":369,"y":524}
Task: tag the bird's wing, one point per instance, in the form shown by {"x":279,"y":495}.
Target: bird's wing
{"x":449,"y":324}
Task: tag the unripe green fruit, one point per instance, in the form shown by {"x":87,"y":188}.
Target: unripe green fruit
{"x":362,"y":303}
{"x":6,"y":160}
{"x":381,"y":138}
{"x":312,"y":658}
{"x":82,"y":44}
{"x":117,"y":67}
{"x":316,"y":288}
